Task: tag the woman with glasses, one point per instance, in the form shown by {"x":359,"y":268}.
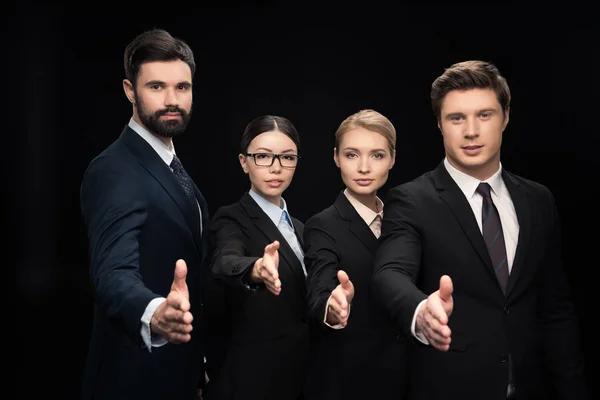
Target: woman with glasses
{"x":358,"y":353}
{"x":257,"y":254}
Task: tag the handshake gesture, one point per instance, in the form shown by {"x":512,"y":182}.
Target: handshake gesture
{"x":338,"y":305}
{"x":266,"y":269}
{"x":172,"y":318}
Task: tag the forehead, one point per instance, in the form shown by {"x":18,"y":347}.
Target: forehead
{"x":469,"y":100}
{"x":165,"y":71}
{"x":272,"y":140}
{"x":363,"y":138}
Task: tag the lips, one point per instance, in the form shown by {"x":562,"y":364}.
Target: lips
{"x":274,"y":183}
{"x":472,"y":150}
{"x":363,"y":182}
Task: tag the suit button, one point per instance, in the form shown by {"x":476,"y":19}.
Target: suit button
{"x":506,"y":310}
{"x":503,"y":358}
{"x":400,"y":339}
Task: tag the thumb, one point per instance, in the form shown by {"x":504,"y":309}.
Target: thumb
{"x":179,"y":283}
{"x":344,"y":280}
{"x":446,"y":288}
{"x":270,"y":249}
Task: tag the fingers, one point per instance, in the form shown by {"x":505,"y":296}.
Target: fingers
{"x":271,"y":281}
{"x":338,"y":302}
{"x":436,"y":328}
{"x":178,"y":300}
{"x":269,"y":271}
{"x":435,"y":309}
{"x":171,"y":322}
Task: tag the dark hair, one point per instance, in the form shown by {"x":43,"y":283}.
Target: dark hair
{"x":155,"y":45}
{"x":268,"y":123}
{"x":469,"y":75}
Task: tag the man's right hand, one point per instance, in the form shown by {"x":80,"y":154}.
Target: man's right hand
{"x":433,"y":316}
{"x":266,"y":269}
{"x":172,"y":318}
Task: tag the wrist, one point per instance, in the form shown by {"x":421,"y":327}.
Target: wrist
{"x":255,"y":274}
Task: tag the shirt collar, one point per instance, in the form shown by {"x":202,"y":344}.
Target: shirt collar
{"x":158,"y":145}
{"x":469,"y":184}
{"x":365,"y":212}
{"x":273,"y":212}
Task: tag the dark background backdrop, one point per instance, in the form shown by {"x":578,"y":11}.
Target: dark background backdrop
{"x":315,"y":64}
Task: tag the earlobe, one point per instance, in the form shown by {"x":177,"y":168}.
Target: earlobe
{"x":128,"y":89}
{"x":506,"y":115}
{"x":336,"y":159}
{"x":243,"y":164}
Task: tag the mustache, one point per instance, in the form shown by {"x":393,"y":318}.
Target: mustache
{"x":174,"y":109}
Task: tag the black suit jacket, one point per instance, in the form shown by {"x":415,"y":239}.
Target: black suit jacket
{"x":139,"y":223}
{"x":429,"y":230}
{"x":366,"y":359}
{"x":268,"y":347}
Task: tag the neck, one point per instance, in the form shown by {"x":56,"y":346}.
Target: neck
{"x":368,"y":200}
{"x":166,"y":140}
{"x":481,"y":172}
{"x":272,"y":199}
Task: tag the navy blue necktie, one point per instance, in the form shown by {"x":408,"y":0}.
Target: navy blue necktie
{"x":493,"y":235}
{"x":186,"y":183}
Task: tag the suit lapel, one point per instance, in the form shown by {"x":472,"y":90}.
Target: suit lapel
{"x":268,"y":228}
{"x":522,"y":208}
{"x":356,"y":224}
{"x":152,"y":162}
{"x":451,"y":194}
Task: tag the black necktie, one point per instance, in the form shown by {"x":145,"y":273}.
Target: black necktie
{"x":493,"y":235}
{"x":186,"y":183}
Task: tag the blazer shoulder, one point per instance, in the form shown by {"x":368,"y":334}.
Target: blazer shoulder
{"x":113,"y":157}
{"x":322,"y":218}
{"x":230,"y":211}
{"x":528,"y":183}
{"x":419,"y":186}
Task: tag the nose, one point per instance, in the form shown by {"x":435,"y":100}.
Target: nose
{"x":364,"y":165}
{"x":171,"y":97}
{"x":276,"y":166}
{"x":472,"y":128}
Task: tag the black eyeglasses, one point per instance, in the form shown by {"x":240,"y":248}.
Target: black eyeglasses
{"x":267,"y":159}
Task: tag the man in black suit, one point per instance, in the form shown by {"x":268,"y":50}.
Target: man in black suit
{"x":499,"y":321}
{"x":144,"y":216}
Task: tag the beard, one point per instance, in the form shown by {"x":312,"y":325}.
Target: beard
{"x":167,"y":128}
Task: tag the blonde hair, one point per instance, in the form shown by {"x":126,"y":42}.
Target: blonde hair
{"x":370,"y":120}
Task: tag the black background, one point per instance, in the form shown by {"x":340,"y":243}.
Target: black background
{"x":314,"y":64}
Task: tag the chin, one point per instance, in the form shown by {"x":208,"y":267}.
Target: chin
{"x":363,"y":190}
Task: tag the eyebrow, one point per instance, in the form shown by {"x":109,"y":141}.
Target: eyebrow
{"x":357,"y":150}
{"x":488,"y":109}
{"x":271,"y":151}
{"x":157,"y":82}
